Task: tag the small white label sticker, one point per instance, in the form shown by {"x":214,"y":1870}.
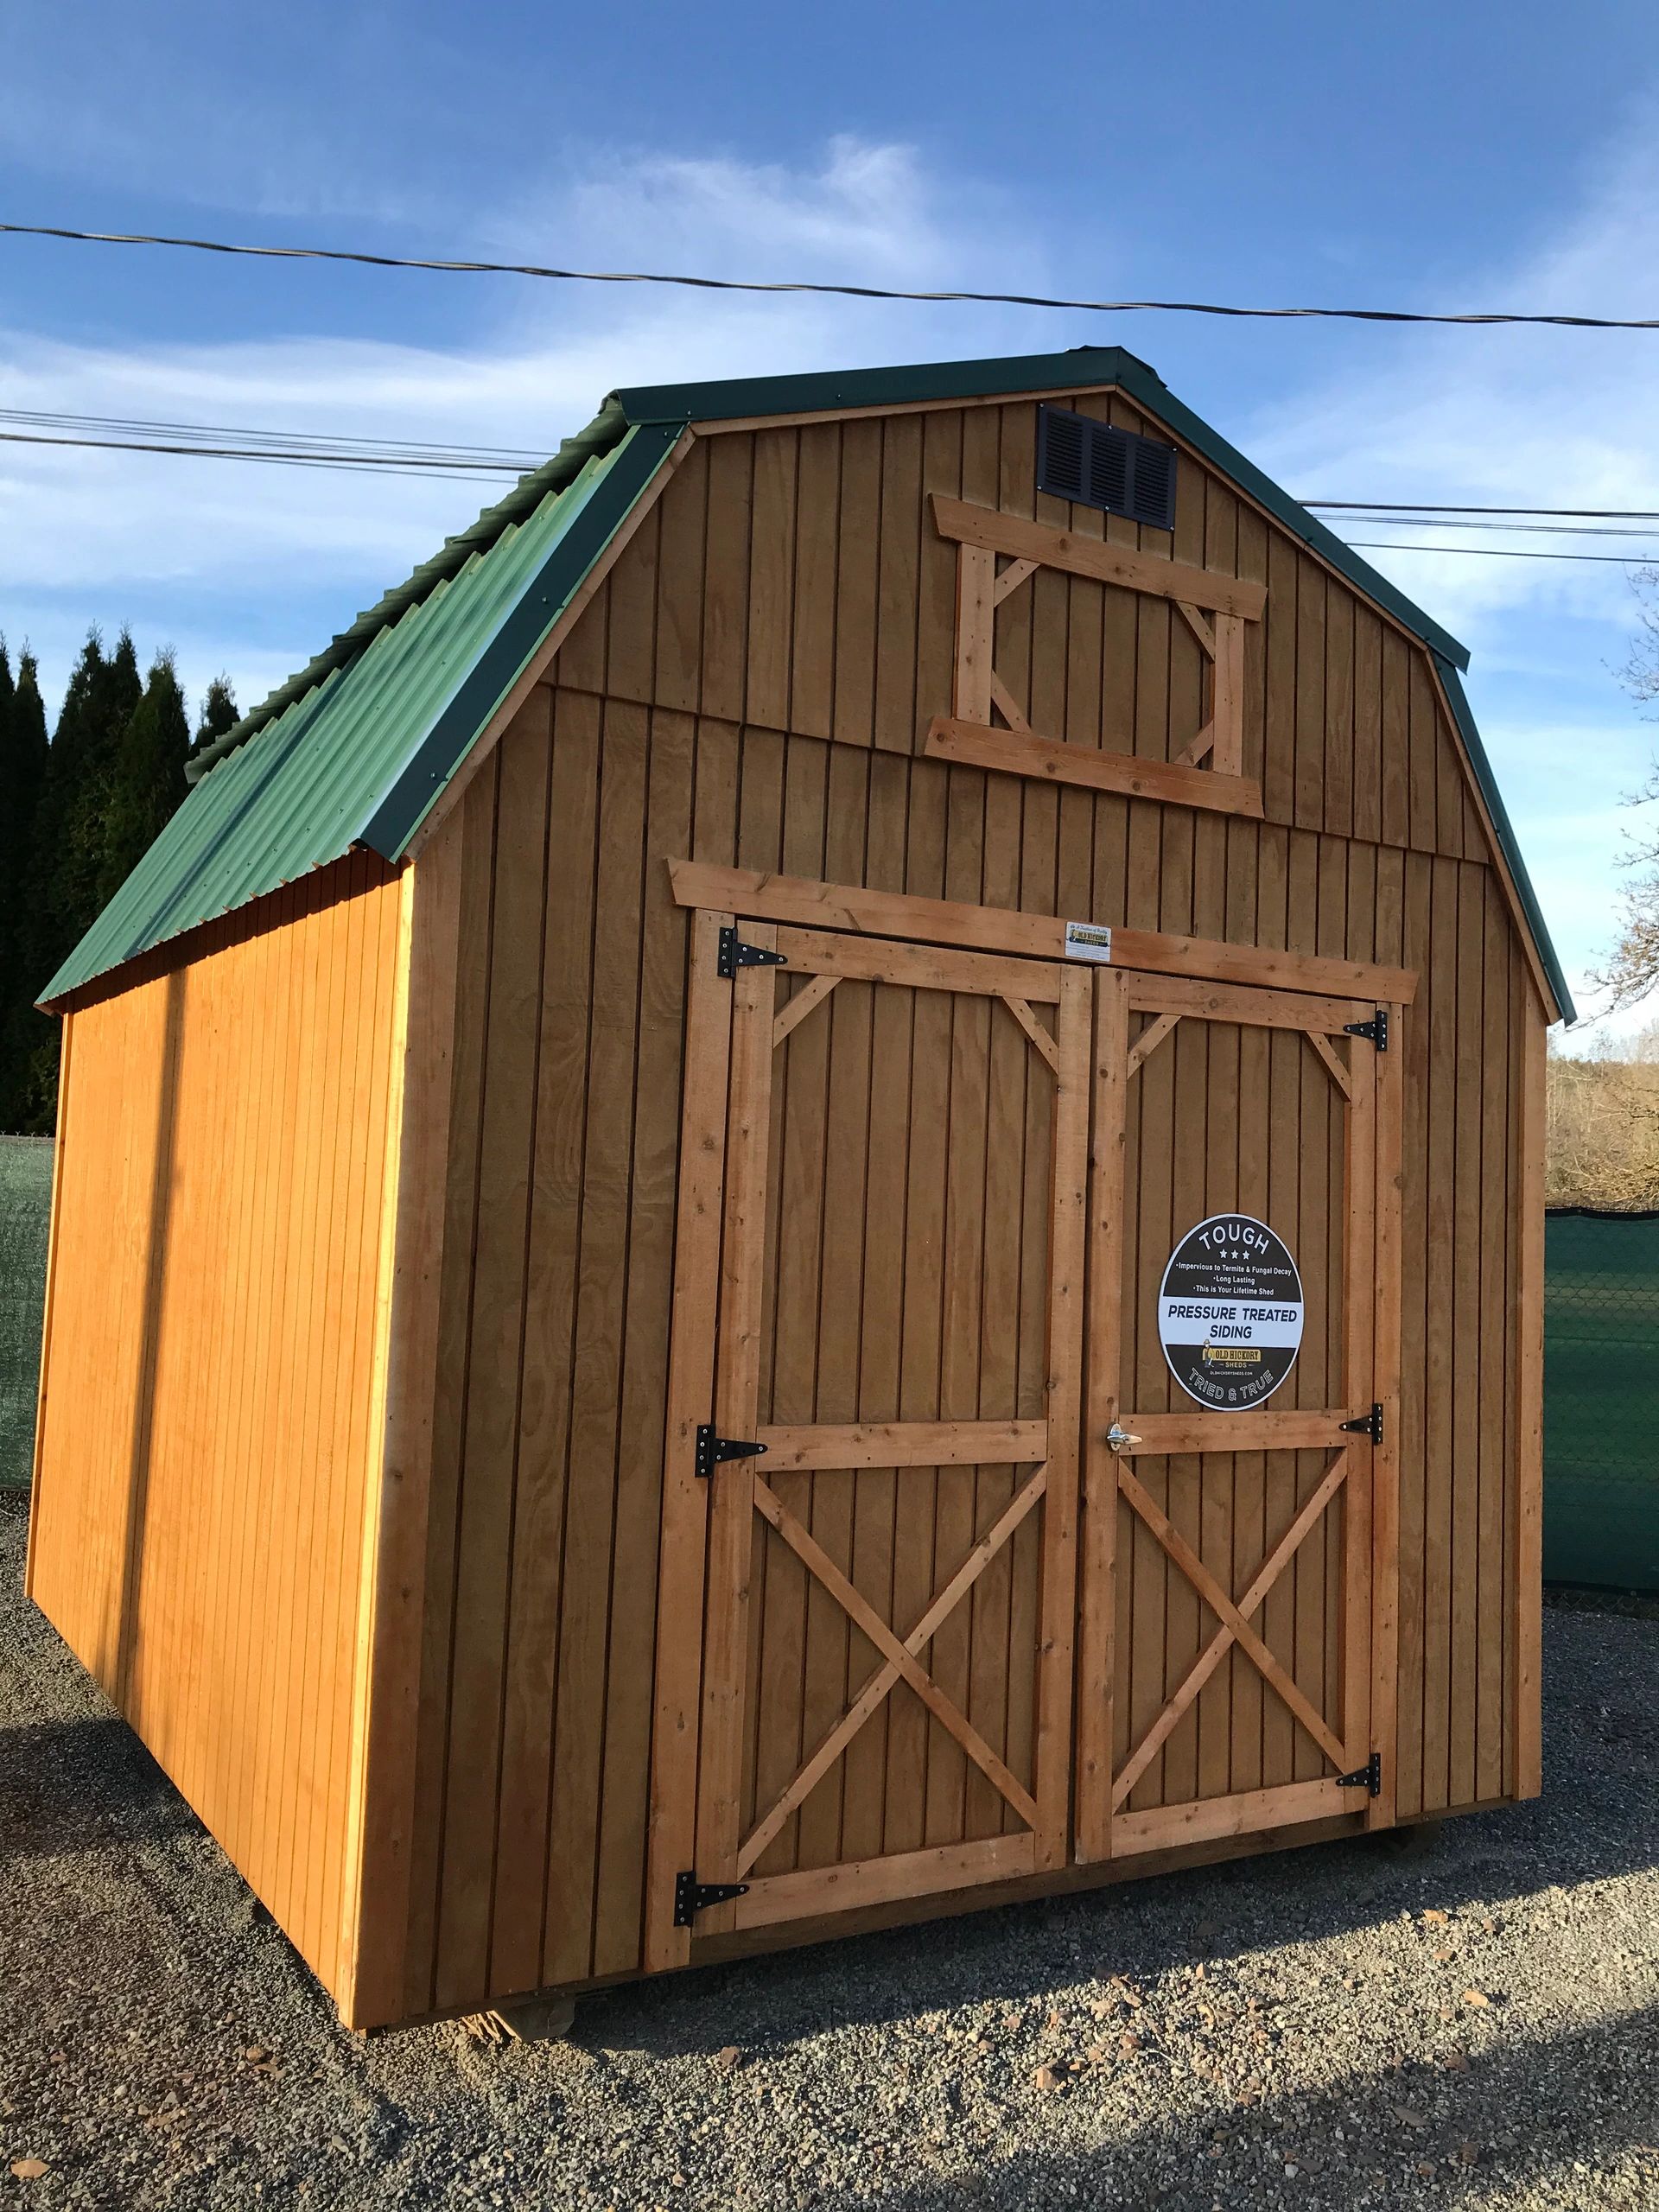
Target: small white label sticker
{"x":1088,"y":941}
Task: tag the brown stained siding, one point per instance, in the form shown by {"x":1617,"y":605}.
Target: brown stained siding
{"x":206,"y":1415}
{"x":792,"y":575}
{"x":796,"y":583}
{"x":566,"y":1614}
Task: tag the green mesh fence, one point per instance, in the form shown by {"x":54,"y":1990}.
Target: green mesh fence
{"x":25,"y":1210}
{"x":1601,"y":1398}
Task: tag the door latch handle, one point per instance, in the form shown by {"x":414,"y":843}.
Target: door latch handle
{"x":1118,"y":1437}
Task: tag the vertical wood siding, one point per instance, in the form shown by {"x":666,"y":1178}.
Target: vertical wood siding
{"x":751,"y":686}
{"x":205,"y":1431}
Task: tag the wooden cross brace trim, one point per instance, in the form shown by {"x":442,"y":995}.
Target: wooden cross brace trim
{"x":983,"y":536}
{"x":1235,"y":1623}
{"x":901,"y":1660}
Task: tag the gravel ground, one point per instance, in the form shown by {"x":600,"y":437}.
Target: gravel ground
{"x":1470,"y":2022}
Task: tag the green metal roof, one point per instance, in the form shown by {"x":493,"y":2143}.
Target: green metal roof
{"x":354,"y":749}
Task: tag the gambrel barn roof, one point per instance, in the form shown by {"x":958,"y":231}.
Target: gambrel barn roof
{"x":352,"y":753}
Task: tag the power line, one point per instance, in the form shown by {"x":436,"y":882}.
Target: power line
{"x":1427,"y":521}
{"x":839,"y":291}
{"x":483,"y":456}
{"x":1427,"y":507}
{"x":385,"y":466}
{"x":1499,"y":552}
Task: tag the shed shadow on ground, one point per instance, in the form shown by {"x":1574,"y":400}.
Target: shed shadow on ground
{"x":87,"y":1785}
{"x":1568,"y":2098}
{"x":1020,"y":1953}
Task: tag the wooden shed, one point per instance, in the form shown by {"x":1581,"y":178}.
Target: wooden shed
{"x":812,"y":1194}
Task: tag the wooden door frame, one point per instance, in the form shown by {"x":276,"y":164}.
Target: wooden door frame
{"x":715,"y":897}
{"x":1371,"y":1347}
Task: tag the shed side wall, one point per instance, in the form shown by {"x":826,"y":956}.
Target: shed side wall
{"x":205,"y":1428}
{"x":791,"y":578}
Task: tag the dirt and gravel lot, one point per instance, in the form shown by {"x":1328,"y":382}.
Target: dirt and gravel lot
{"x":1474,"y":2024}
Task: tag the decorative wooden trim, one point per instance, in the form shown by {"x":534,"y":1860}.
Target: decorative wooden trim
{"x":1202,"y":745}
{"x":976,"y":630}
{"x":886,"y":1678}
{"x":679,"y":1692}
{"x":1333,"y":1068}
{"x":1201,"y":629}
{"x":915,"y":967}
{"x":1016,"y":573}
{"x":1229,"y":1002}
{"x":1226,"y":1612}
{"x":1068,"y":1251}
{"x":1020,"y":752}
{"x":58,"y":1156}
{"x":401,"y":1478}
{"x":1161,"y":1436}
{"x":1148,"y":1041}
{"x":1222,"y":1642}
{"x":1098,"y":1607}
{"x":1385,"y":1457}
{"x":996,"y":532}
{"x":795,"y":899}
{"x":876,"y":1881}
{"x":865,"y":1617}
{"x":1359,"y":1384}
{"x":1529,"y":1415}
{"x":1033,"y":1029}
{"x":737,"y":1382}
{"x":1006,"y":705}
{"x":542,"y":659}
{"x":905,"y":1444}
{"x":1211,"y":1818}
{"x":1227,"y":696}
{"x":790,"y":1017}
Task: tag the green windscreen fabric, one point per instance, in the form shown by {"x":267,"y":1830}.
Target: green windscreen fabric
{"x":1601,"y":1399}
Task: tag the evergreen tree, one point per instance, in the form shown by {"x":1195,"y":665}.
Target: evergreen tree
{"x":22,"y":770}
{"x":147,"y":783}
{"x":218,"y":714}
{"x":62,"y":882}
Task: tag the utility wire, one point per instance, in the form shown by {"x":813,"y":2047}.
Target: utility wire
{"x":387,"y":465}
{"x":1426,"y":507}
{"x":1499,"y":552}
{"x":839,"y":291}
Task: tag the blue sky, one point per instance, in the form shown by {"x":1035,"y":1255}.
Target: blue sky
{"x":1290,"y":154}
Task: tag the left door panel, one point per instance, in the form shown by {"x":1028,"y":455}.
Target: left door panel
{"x":886,"y":1660}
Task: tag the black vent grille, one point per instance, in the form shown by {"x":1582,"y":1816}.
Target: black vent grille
{"x":1102,"y":466}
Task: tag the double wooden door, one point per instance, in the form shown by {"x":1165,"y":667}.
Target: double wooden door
{"x":927,"y":1198}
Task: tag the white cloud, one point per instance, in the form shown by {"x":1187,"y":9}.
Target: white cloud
{"x":102,"y":536}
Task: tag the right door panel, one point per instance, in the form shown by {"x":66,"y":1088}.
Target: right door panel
{"x":1228,"y":1566}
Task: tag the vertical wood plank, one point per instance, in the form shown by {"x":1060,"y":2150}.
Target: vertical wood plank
{"x":737,"y":1377}
{"x":1096,"y":1673}
{"x":690,"y":1399}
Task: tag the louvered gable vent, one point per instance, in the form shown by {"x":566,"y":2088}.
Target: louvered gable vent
{"x":1099,"y":466}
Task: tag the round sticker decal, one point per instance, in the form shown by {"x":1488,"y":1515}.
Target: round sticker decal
{"x":1229,"y":1313}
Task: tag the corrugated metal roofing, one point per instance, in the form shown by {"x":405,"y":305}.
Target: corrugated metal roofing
{"x":354,"y":750}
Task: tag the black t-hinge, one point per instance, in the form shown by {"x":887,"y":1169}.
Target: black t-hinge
{"x":1369,"y":1424}
{"x":1377,"y":1029}
{"x":734,"y":954}
{"x":712,"y":1448}
{"x":1367,"y":1777}
{"x":692,"y":1897}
